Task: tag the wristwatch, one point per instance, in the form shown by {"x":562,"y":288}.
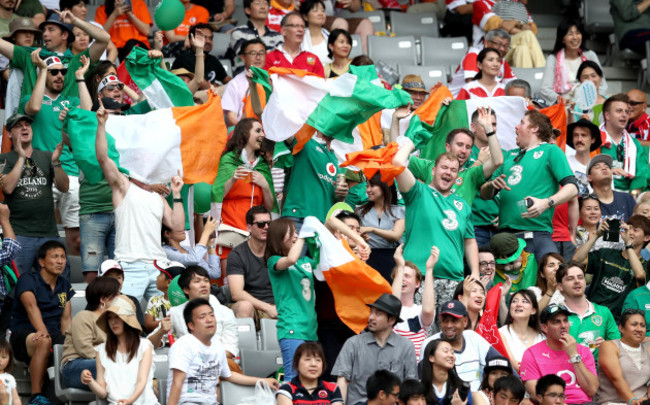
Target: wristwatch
{"x":575,"y":359}
{"x":551,"y":203}
{"x":630,"y":246}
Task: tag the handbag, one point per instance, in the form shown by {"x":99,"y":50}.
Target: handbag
{"x":230,"y":237}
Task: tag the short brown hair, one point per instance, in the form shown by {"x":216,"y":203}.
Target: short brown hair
{"x":275,"y":237}
{"x":543,"y":124}
{"x":622,"y":97}
{"x":641,"y":222}
{"x":408,"y":263}
{"x":447,"y":156}
{"x":452,"y":134}
{"x":564,"y":269}
{"x":313,"y":348}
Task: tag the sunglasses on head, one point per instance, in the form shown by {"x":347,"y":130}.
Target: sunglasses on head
{"x":55,"y":72}
{"x":111,"y":87}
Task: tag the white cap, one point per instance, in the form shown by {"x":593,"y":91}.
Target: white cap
{"x":109,"y":265}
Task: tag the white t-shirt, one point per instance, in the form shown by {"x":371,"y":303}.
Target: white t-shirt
{"x":203,"y":365}
{"x":10,"y":383}
{"x":233,"y":95}
{"x":120,"y":375}
{"x":517,"y":347}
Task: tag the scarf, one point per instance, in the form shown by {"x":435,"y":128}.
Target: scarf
{"x":562,"y":83}
{"x":629,"y":150}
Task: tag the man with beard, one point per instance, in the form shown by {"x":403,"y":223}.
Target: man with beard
{"x":6,"y":15}
{"x":379,"y":348}
{"x":470,"y":348}
{"x":433,"y":212}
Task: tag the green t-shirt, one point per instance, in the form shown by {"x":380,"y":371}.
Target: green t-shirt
{"x":639,"y":298}
{"x":472,"y":157}
{"x":4,"y":24}
{"x":23,"y":60}
{"x":526,"y":277}
{"x":597,"y":323}
{"x":31,"y":203}
{"x":293,"y":289}
{"x":468,"y":181}
{"x":485,"y":211}
{"x":613,"y":278}
{"x":622,"y":183}
{"x":432,"y":219}
{"x":541,"y":169}
{"x":311,"y":188}
{"x":47,"y":128}
{"x":29,"y":8}
{"x":95,"y":198}
{"x":357,"y":195}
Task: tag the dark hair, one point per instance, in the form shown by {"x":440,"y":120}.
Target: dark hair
{"x":545,"y":382}
{"x":240,"y":136}
{"x":562,"y":29}
{"x":512,"y":384}
{"x":564,"y":269}
{"x":190,"y":307}
{"x":308,"y":5}
{"x":334,"y":35}
{"x":313,"y":348}
{"x":246,"y":44}
{"x":95,"y":76}
{"x":543,"y":124}
{"x":131,"y":336}
{"x":285,"y":19}
{"x":361,"y":60}
{"x":474,"y":119}
{"x":256,"y":210}
{"x":585,"y":197}
{"x":387,"y":196}
{"x":481,"y":57}
{"x":275,"y":237}
{"x":381,"y":380}
{"x":622,"y":97}
{"x":485,"y":249}
{"x":187,"y":275}
{"x":641,"y":222}
{"x":49,"y":245}
{"x":343,"y":215}
{"x":485,"y":384}
{"x":454,"y":382}
{"x":410,"y":388}
{"x":533,"y":320}
{"x":589,"y":64}
{"x":68,"y":4}
{"x":200,"y":26}
{"x":458,"y":291}
{"x":5,"y":346}
{"x":163,"y":237}
{"x":541,"y":281}
{"x":101,"y":287}
{"x":628,"y":313}
{"x":248,"y":3}
{"x":452,"y":135}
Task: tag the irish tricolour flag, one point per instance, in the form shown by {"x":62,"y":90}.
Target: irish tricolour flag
{"x":353,"y":283}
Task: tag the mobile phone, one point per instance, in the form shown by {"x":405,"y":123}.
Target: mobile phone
{"x":612,"y":235}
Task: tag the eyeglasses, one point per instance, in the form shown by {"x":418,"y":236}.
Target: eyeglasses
{"x":499,"y":45}
{"x":112,"y":87}
{"x":395,"y":394}
{"x":486,"y":264}
{"x":554,"y":395}
{"x":55,"y":72}
{"x":635,"y":103}
{"x":299,"y":26}
{"x":262,"y":224}
{"x":256,"y":54}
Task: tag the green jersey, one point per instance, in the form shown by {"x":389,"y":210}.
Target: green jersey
{"x":613,"y":278}
{"x":525,"y":277}
{"x":293,"y":289}
{"x":542,"y":169}
{"x":311,"y":188}
{"x":639,"y":298}
{"x":23,"y":60}
{"x":597,"y":322}
{"x":433,"y":219}
{"x":95,"y":198}
{"x":468,"y":181}
{"x":622,"y":183}
{"x":47,"y":128}
{"x":357,"y":195}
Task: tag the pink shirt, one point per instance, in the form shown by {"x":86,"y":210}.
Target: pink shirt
{"x":540,"y":360}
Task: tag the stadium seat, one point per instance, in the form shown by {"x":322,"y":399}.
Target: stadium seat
{"x":430,"y":74}
{"x":220,"y":44}
{"x":533,"y":76}
{"x":78,"y":302}
{"x":418,"y":25}
{"x":232,"y":394}
{"x":443,"y":51}
{"x":161,"y":365}
{"x":240,"y":15}
{"x":269,"y":334}
{"x":227,"y":65}
{"x":597,"y":18}
{"x":392,"y":51}
{"x":76,"y":275}
{"x":67,"y":395}
{"x":260,"y":363}
{"x":356,"y":46}
{"x":377,"y":18}
{"x":247,"y":334}
{"x":92,"y":9}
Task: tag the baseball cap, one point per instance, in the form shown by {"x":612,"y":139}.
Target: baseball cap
{"x":169,"y":268}
{"x":602,"y":158}
{"x":551,"y":311}
{"x":497,"y":362}
{"x":454,"y":308}
{"x":108,"y":265}
{"x":16,"y":118}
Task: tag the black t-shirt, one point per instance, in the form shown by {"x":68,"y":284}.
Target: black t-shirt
{"x":214,"y":71}
{"x":242,"y":261}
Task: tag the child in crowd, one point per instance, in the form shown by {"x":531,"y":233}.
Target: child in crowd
{"x":6,"y":368}
{"x":549,"y":389}
{"x":411,"y":392}
{"x":158,"y":306}
{"x":508,"y":390}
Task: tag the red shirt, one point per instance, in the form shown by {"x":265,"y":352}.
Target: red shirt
{"x":305,"y":61}
{"x":474,"y":89}
{"x":640,"y":129}
{"x":468,"y":69}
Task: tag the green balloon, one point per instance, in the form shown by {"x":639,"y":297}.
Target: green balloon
{"x":169,"y":14}
{"x":175,"y":293}
{"x":202,"y":193}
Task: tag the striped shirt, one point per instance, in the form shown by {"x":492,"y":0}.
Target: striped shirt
{"x":411,"y":327}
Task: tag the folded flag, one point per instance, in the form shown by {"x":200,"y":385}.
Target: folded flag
{"x":458,"y":114}
{"x":371,"y":161}
{"x":487,"y":326}
{"x":303,"y":103}
{"x":428,"y":111}
{"x":353,"y":283}
{"x":152,"y":147}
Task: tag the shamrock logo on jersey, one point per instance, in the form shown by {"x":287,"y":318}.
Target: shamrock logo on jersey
{"x":459,"y":205}
{"x":538,"y":154}
{"x":306,"y":267}
{"x":459,"y":181}
{"x":306,"y":289}
{"x":515,"y":175}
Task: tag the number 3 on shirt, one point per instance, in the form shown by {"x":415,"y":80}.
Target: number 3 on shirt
{"x":450,"y":223}
{"x":515,"y":176}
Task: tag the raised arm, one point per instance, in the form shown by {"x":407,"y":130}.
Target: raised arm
{"x":256,"y":103}
{"x":35,"y":102}
{"x":399,"y":271}
{"x":582,"y":252}
{"x":175,"y":218}
{"x":117,"y":180}
{"x":632,"y":257}
{"x":85,"y":101}
{"x":199,"y":65}
{"x":292,"y":257}
{"x":10,"y":180}
{"x":428,"y":293}
{"x":496,"y":154}
{"x":101,"y":37}
{"x":7,"y":48}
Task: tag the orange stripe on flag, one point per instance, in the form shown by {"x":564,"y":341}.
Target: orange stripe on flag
{"x":303,"y":136}
{"x":248,"y":104}
{"x":429,"y":109}
{"x":203,"y":139}
{"x":557,"y":114}
{"x":370,"y":131}
{"x":290,"y":71}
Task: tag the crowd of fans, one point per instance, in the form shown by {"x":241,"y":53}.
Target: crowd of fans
{"x":556,"y":232}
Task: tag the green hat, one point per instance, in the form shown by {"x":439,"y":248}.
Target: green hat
{"x":16,"y":118}
{"x":506,"y":247}
{"x":337,"y":208}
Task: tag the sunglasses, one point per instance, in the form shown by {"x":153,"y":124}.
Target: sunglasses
{"x":111,"y":87}
{"x":262,"y":224}
{"x":55,"y":72}
{"x":635,"y":103}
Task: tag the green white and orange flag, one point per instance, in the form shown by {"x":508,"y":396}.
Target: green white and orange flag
{"x":353,"y":283}
{"x":152,"y":147}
